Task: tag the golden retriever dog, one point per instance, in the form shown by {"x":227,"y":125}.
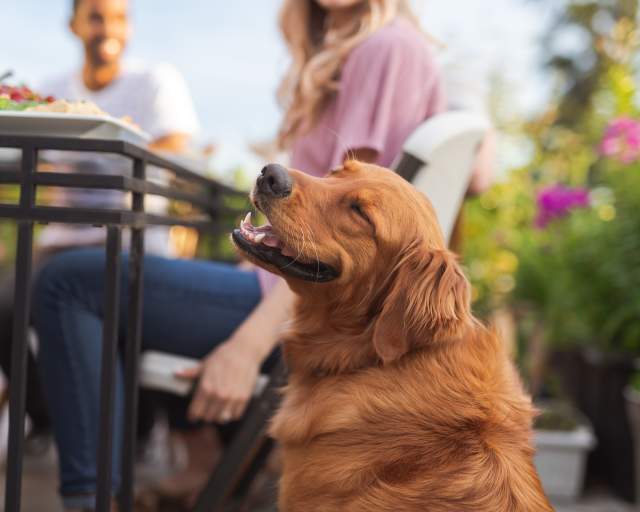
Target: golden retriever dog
{"x":398,"y":399}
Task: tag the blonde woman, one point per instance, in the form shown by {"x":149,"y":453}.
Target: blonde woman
{"x":362,"y":78}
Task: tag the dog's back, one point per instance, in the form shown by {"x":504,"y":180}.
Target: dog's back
{"x":447,"y":429}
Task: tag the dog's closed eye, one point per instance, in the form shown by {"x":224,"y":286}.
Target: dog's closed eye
{"x":361,"y":213}
{"x":357,"y":208}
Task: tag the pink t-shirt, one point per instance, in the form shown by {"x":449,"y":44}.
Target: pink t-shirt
{"x":389,"y":85}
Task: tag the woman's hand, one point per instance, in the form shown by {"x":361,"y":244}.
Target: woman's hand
{"x":227,"y":376}
{"x":226,"y":379}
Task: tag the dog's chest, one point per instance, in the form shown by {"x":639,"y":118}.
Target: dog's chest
{"x":308,"y":411}
{"x":324,"y":457}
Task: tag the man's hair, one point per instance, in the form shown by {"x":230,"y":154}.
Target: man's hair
{"x":76,"y":4}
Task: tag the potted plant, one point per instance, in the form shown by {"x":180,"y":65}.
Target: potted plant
{"x":559,"y":241}
{"x":563,"y":439}
{"x":579,"y":272}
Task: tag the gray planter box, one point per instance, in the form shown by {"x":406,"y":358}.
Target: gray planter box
{"x":560,"y":459}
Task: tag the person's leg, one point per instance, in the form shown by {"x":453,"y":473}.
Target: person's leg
{"x":189,"y":307}
{"x":67,"y":311}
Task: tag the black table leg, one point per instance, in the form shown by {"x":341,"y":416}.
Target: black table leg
{"x":132,"y":352}
{"x":22,"y":303}
{"x":18,"y":384}
{"x":109,"y":356}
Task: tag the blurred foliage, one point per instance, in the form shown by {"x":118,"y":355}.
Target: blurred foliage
{"x":9,"y":194}
{"x":608,"y":35}
{"x":557,"y":416}
{"x":580,"y":275}
{"x":216,"y":244}
{"x":7,"y":243}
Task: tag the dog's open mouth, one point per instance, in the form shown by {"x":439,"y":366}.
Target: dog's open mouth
{"x":263,"y":244}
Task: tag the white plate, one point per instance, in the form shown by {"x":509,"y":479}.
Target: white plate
{"x":55,"y":124}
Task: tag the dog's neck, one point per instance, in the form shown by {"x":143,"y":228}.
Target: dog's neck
{"x":331,"y":352}
{"x":332,"y":339}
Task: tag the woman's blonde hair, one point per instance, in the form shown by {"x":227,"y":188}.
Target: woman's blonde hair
{"x":318,"y":52}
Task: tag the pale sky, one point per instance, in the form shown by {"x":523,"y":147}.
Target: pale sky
{"x":231,"y":55}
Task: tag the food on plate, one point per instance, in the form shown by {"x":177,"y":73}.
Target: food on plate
{"x":86,"y":108}
{"x":21,"y":98}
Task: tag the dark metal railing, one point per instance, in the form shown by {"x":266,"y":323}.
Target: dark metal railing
{"x":217,"y":215}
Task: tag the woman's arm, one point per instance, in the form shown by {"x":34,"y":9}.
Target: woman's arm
{"x":260,"y":332}
{"x":227,"y":376}
{"x":482,"y":176}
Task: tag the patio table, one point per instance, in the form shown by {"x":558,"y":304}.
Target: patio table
{"x":219,"y":207}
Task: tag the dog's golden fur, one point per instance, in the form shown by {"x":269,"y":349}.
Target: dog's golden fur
{"x":398,"y":399}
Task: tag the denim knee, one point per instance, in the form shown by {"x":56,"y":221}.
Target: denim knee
{"x":59,"y":277}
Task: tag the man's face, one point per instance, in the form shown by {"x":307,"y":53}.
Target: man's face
{"x":103,"y":27}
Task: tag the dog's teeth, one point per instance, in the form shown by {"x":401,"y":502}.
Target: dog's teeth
{"x":247,"y":218}
{"x":259,"y":237}
{"x":271,"y":241}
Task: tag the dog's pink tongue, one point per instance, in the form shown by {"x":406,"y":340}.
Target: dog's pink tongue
{"x":287,"y":252}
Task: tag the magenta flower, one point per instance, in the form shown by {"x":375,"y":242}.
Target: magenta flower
{"x":621,"y":140}
{"x":557,"y":201}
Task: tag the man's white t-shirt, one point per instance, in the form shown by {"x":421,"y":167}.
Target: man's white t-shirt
{"x":157,"y":99}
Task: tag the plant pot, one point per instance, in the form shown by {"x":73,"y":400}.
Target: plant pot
{"x":632,"y":398}
{"x":604,"y":378}
{"x":561,"y":458}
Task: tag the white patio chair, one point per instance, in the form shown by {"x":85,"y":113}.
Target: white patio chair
{"x":438,"y":159}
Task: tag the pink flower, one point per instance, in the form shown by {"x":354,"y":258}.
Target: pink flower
{"x":557,"y":201}
{"x":621,"y":140}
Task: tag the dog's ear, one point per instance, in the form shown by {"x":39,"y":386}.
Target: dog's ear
{"x":428,"y":301}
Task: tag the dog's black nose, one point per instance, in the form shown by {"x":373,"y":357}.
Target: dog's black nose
{"x":274,"y":180}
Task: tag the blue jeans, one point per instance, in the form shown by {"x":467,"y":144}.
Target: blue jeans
{"x":188,"y":308}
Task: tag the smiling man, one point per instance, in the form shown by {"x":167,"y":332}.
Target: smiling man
{"x":155,"y":97}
